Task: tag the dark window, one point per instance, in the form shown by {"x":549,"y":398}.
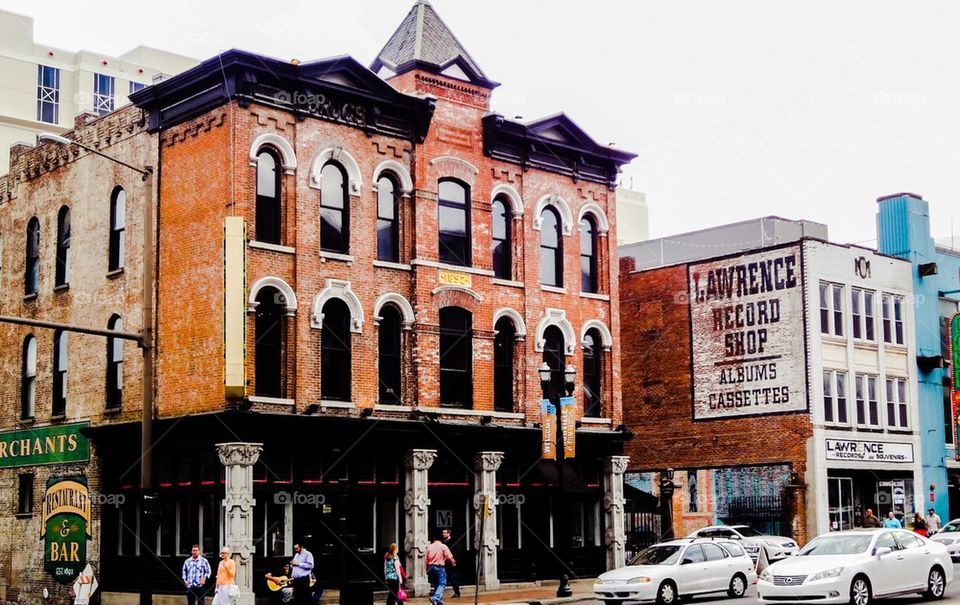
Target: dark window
{"x":31,"y":274}
{"x":551,"y":248}
{"x":118,"y":228}
{"x":25,"y":494}
{"x":714,"y":552}
{"x":268,"y":198}
{"x":334,"y":210}
{"x":103,"y":89}
{"x":48,"y":94}
{"x":388,"y":231}
{"x":454,"y":223}
{"x":114,"y":396}
{"x":335,"y":351}
{"x":269,"y":333}
{"x":63,"y":247}
{"x":592,"y":364}
{"x":59,"y":404}
{"x":389,"y":361}
{"x":28,"y":380}
{"x":588,"y":255}
{"x":502,"y":257}
{"x":553,"y":354}
{"x":693,"y":554}
{"x":503,"y":344}
{"x":456,"y":357}
{"x":135,"y":86}
{"x":692,"y":491}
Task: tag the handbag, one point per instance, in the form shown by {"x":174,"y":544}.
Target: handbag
{"x":234,"y":590}
{"x":401,"y":594}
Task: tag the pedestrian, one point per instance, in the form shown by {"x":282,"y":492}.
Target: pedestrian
{"x":870,"y":520}
{"x":393,"y":574}
{"x":919,"y":525}
{"x":226,"y":578}
{"x":933,"y":522}
{"x":436,"y":556}
{"x":451,"y":568}
{"x":196,"y":572}
{"x":301,"y":569}
{"x":892,"y":522}
{"x":281,"y":585}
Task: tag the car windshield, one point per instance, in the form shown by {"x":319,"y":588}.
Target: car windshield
{"x":658,"y":555}
{"x":837,"y":545}
{"x":949,"y":527}
{"x":748,"y":532}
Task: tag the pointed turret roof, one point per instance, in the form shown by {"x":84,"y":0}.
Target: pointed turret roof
{"x":423,"y":41}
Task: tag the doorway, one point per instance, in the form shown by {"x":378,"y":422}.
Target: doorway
{"x":840,"y":493}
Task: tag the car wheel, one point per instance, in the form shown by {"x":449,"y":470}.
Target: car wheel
{"x":936,"y":582}
{"x":860,"y":593}
{"x":738,"y":586}
{"x":667,"y":593}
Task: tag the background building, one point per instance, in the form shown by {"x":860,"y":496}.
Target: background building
{"x":633,"y":216}
{"x":45,"y":87}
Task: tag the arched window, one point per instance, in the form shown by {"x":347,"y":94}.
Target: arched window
{"x":118,"y":227}
{"x":502,"y":257}
{"x":269,"y":331}
{"x":389,"y":361}
{"x":334,"y":209}
{"x":268,"y":197}
{"x":388,"y":223}
{"x":551,"y":248}
{"x":114,"y":396}
{"x":503,"y":344}
{"x":454,"y":223}
{"x":335,"y":351}
{"x":28,"y":378}
{"x":456,"y":358}
{"x":62,"y":276}
{"x":31,"y":274}
{"x":592,"y":372}
{"x":588,"y":255}
{"x":59,"y":405}
{"x":554,"y":357}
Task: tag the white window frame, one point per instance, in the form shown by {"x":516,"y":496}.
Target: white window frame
{"x":863,"y":314}
{"x":48,"y":94}
{"x":900,"y":400}
{"x":834,"y":378}
{"x":103,"y":101}
{"x":861,"y":387}
{"x":833,"y":304}
{"x":892,"y":327}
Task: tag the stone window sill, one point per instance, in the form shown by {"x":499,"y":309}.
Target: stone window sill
{"x":553,"y":289}
{"x":507,"y":282}
{"x":325,"y":256}
{"x":271,"y":400}
{"x":271,"y":247}
{"x":29,"y":297}
{"x":386,"y":264}
{"x":115,"y":273}
{"x":597,"y":421}
{"x":336,"y":405}
{"x":473,"y":413}
{"x":595,"y":296}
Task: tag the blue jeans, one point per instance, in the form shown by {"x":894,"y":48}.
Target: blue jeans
{"x":439,"y":574}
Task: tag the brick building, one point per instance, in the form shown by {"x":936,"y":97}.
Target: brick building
{"x":769,"y":376}
{"x":360,"y":269}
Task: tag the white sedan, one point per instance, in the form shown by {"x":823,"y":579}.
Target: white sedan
{"x":856,"y":566}
{"x":949,"y":536}
{"x":665,"y":572}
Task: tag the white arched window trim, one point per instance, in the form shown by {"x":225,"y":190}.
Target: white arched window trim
{"x":516,"y":203}
{"x":606,"y":338}
{"x":555,"y":317}
{"x":398,"y":170}
{"x":393,"y":298}
{"x":518,"y":324}
{"x":603,"y":225}
{"x":342,"y":157}
{"x":279,"y":284}
{"x":338,"y":288}
{"x":463,"y":289}
{"x":566,"y":217}
{"x":288,"y":159}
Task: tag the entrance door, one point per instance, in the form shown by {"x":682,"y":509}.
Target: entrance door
{"x":840,"y":493}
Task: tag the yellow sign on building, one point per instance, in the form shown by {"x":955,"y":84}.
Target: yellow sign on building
{"x":455,"y":278}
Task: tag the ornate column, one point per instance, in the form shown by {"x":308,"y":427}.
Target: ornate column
{"x":613,"y":505}
{"x":416,"y":503}
{"x":485,"y":484}
{"x":238,"y":460}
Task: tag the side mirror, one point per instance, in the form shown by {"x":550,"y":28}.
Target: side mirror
{"x":736,"y":537}
{"x":686,"y":562}
{"x":884,"y":550}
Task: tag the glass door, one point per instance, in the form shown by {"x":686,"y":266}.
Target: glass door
{"x":840,"y":493}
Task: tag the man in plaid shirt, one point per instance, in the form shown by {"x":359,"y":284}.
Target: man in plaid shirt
{"x":196,"y":570}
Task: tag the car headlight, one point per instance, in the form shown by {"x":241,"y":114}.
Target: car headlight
{"x":823,"y":575}
{"x":771,"y":544}
{"x":766,"y":576}
{"x":639,"y":580}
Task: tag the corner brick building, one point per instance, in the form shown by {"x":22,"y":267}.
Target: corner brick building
{"x":361,"y":269}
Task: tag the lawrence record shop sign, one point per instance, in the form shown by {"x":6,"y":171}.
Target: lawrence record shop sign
{"x":747,"y":336}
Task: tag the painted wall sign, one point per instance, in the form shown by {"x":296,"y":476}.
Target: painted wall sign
{"x":548,"y":430}
{"x":747,"y":335}
{"x":455,"y":278}
{"x":869,"y":451}
{"x":65,"y":527}
{"x":44,"y":445}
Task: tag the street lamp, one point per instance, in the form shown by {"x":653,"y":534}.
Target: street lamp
{"x":569,"y":378}
{"x":145,"y":342}
{"x":666,"y":504}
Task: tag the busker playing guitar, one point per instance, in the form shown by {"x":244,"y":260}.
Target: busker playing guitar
{"x":281,"y":584}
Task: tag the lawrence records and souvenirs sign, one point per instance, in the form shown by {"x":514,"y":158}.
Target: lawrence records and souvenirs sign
{"x":44,"y":445}
{"x":66,"y":527}
{"x":747,"y":335}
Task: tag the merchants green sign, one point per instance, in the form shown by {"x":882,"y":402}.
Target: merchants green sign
{"x":44,"y":445}
{"x":66,"y":527}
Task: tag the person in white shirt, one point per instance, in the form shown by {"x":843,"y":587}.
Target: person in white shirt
{"x":933,"y":521}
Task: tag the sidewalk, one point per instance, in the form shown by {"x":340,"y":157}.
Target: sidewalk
{"x":539,"y":593}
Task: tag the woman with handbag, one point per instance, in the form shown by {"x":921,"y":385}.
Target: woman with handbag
{"x":226,"y":579}
{"x":394,"y":575}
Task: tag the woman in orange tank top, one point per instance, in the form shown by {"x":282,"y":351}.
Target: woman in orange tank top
{"x":226,"y":578}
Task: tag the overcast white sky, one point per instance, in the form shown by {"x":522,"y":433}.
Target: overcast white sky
{"x":737,"y":109}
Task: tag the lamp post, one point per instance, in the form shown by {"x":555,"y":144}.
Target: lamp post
{"x":145,"y":343}
{"x":553,"y":395}
{"x":666,"y":504}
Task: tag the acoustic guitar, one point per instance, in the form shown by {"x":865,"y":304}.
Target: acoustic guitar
{"x":275,"y":583}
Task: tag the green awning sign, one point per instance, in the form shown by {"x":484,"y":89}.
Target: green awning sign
{"x":58,"y":444}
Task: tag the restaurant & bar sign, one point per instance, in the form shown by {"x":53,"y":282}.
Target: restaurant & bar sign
{"x":44,"y":445}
